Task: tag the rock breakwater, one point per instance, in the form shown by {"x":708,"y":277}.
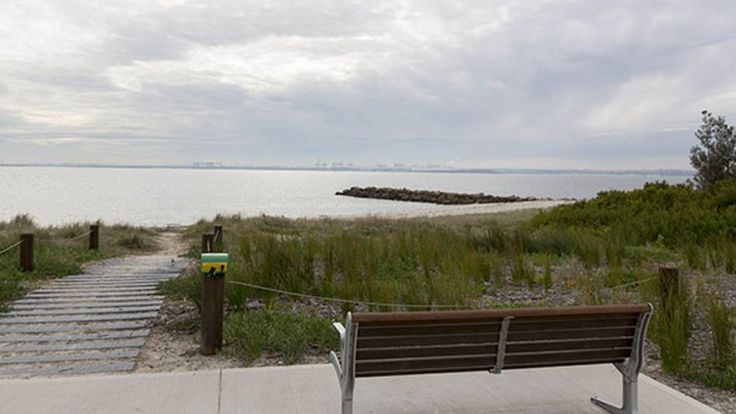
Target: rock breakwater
{"x":424,"y":196}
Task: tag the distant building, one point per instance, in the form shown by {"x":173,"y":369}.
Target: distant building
{"x":207,"y":164}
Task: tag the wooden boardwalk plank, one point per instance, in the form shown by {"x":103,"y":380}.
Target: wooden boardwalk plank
{"x":136,"y":333}
{"x":50,"y":319}
{"x":46,"y":328}
{"x":82,"y":311}
{"x":73,"y":346}
{"x":82,"y":356}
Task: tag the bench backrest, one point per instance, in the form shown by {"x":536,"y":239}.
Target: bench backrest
{"x":425,"y":342}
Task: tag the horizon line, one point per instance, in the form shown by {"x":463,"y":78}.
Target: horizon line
{"x":409,"y":169}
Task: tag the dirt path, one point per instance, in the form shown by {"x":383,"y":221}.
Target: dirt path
{"x":170,"y":242}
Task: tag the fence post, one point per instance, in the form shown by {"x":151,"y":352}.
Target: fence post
{"x":94,"y":237}
{"x":669,"y":287}
{"x":218,"y":246}
{"x":26,"y":252}
{"x":213,"y":307}
{"x":207,"y":242}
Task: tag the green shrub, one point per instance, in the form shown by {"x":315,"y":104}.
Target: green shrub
{"x":671,"y":325}
{"x":290,"y":336}
{"x":718,"y":317}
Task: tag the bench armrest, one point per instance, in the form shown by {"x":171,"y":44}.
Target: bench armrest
{"x":340,"y":330}
{"x":333,"y":356}
{"x":336,"y":363}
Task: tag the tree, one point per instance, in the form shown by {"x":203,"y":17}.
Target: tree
{"x":714,"y":159}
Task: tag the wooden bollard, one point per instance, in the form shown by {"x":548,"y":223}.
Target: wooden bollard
{"x":669,"y":287}
{"x":669,"y":281}
{"x":94,"y":237}
{"x":26,"y":252}
{"x":207,"y":242}
{"x":213,"y":308}
{"x":217,"y":245}
{"x":213,"y":302}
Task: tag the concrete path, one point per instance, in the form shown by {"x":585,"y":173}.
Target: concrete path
{"x":313,"y":389}
{"x":89,"y":323}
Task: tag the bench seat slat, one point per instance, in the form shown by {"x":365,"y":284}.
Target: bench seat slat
{"x":407,"y":365}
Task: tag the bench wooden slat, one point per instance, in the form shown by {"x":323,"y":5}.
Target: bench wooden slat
{"x":612,"y":332}
{"x":435,"y":317}
{"x":564,"y":357}
{"x":541,"y":324}
{"x":431,"y":370}
{"x":425,"y":351}
{"x":408,"y":365}
{"x":566,"y":344}
{"x":413,"y":340}
{"x":429,"y":329}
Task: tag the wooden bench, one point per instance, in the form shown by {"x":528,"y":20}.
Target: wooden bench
{"x":405,"y":343}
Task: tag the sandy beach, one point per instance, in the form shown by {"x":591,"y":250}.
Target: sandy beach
{"x":466,"y":209}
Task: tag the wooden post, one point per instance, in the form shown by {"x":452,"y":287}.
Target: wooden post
{"x":669,"y":287}
{"x":669,"y":281}
{"x":26,"y":252}
{"x":213,"y":305}
{"x":94,"y":237}
{"x":207,"y":242}
{"x":218,"y":246}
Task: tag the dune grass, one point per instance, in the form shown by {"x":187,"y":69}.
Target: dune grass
{"x":56,"y":253}
{"x":290,"y":336}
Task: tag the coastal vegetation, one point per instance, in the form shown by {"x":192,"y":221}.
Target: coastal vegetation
{"x":604,"y":250}
{"x":714,"y":158}
{"x":61,"y":250}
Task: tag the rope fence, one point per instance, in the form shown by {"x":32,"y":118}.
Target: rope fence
{"x":28,"y":241}
{"x":11,"y":247}
{"x":386,"y":304}
{"x":51,"y":239}
{"x":638,"y":282}
{"x":339,"y":300}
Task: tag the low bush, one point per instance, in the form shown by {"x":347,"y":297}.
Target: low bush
{"x":288,"y":336}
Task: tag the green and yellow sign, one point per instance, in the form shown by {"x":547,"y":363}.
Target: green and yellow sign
{"x":214,"y":264}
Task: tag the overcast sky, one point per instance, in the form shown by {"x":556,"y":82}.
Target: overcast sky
{"x":560,"y":84}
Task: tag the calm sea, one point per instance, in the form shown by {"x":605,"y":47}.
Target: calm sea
{"x":181,"y":196}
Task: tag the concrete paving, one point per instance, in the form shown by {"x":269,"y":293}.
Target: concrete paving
{"x":84,"y":323}
{"x":313,"y":389}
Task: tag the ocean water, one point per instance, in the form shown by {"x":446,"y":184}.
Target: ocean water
{"x":155,"y":197}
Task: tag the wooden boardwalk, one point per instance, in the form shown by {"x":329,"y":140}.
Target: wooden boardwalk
{"x":94,"y":322}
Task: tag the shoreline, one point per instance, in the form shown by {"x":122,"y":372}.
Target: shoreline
{"x":468,"y":209}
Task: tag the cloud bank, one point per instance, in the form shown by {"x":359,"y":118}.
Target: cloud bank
{"x":567,"y":84}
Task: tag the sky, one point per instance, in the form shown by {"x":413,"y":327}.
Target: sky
{"x":463,"y":84}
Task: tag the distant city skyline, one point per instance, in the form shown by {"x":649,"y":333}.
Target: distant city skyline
{"x":453,"y":85}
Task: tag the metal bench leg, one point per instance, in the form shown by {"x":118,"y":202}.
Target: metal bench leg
{"x":631,"y":400}
{"x":347,"y":404}
{"x":630,"y":371}
{"x":346,"y":370}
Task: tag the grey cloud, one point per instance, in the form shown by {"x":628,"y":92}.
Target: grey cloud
{"x":566,"y":84}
